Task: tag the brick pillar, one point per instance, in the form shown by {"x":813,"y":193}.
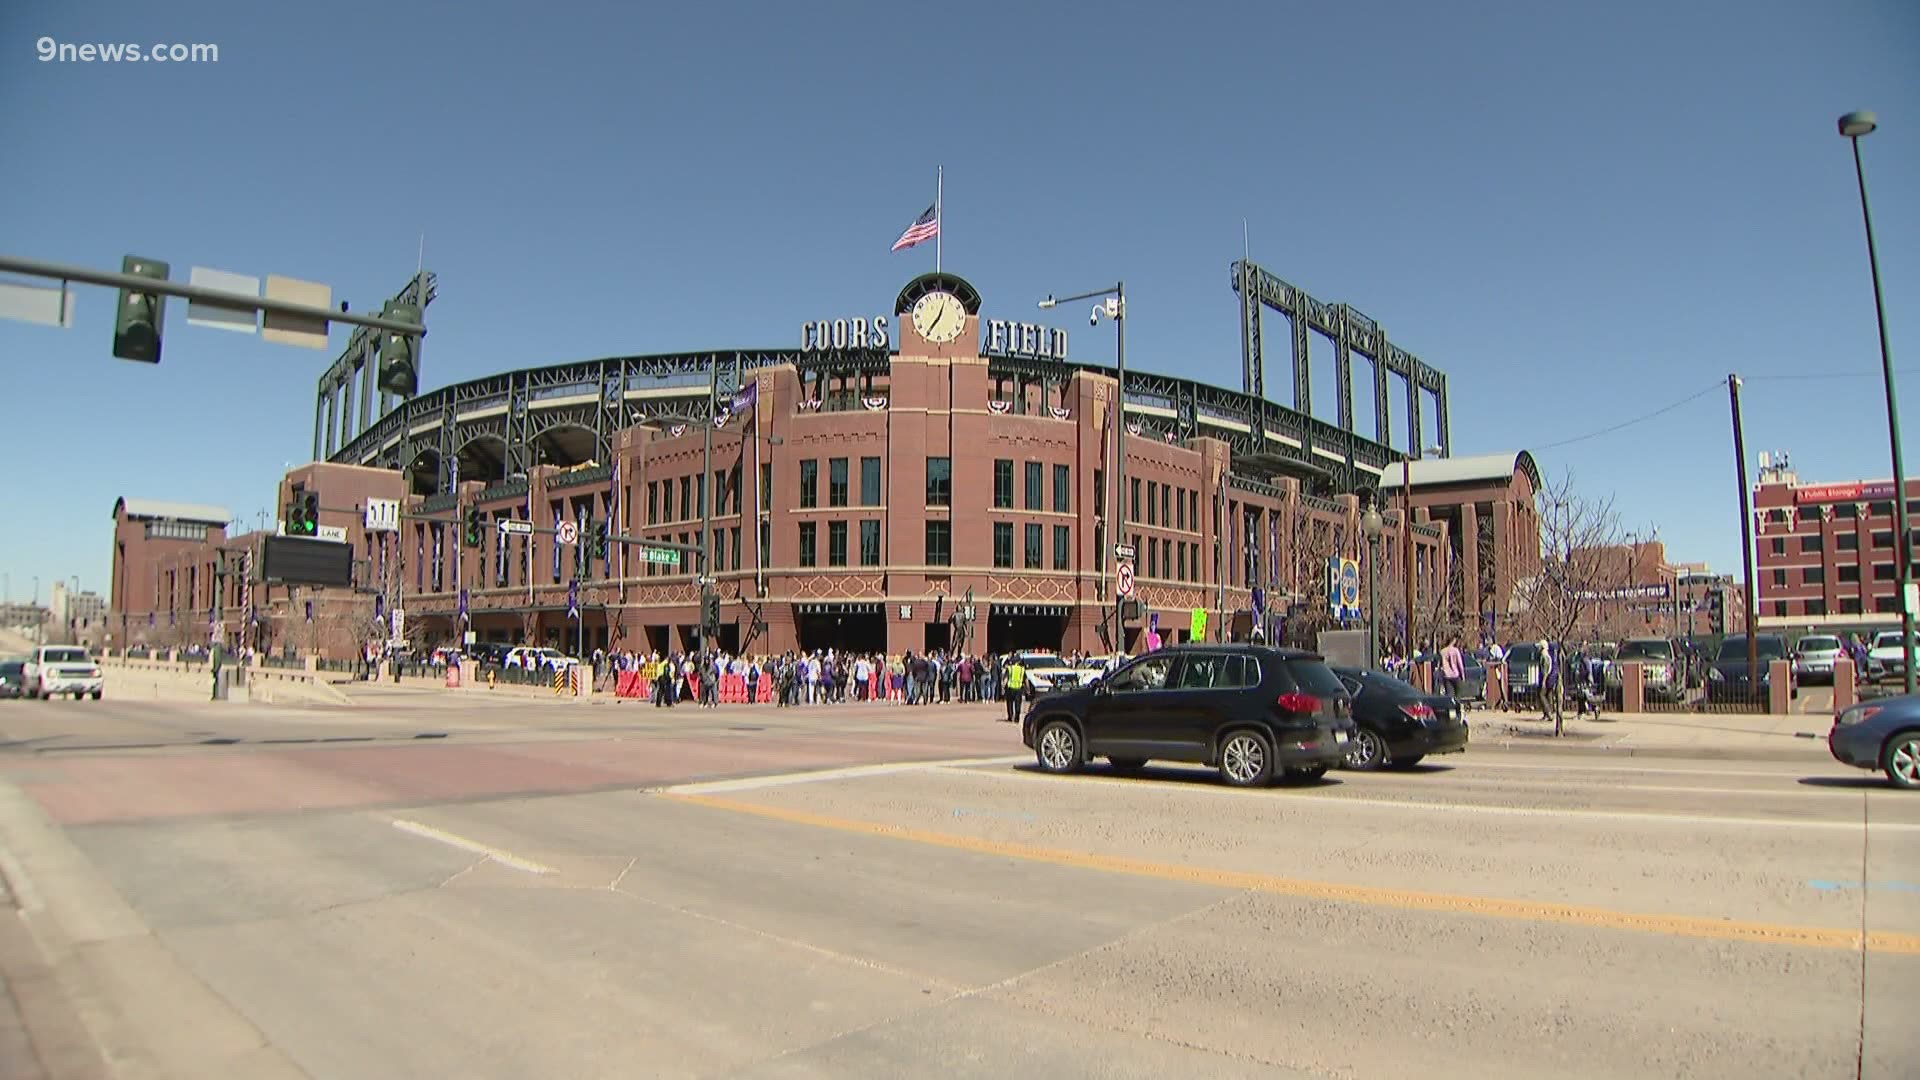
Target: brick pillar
{"x":1844,"y":692}
{"x":1779,"y":687}
{"x":1633,"y":686}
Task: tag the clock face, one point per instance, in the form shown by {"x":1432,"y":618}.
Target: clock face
{"x":939,"y":317}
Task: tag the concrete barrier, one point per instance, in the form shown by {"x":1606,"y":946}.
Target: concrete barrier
{"x":192,"y":680}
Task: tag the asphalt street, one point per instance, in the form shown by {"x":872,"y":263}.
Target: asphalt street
{"x":510,"y":889}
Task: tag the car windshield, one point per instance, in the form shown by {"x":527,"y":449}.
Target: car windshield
{"x":1769,"y":648}
{"x":1646,"y":650}
{"x":68,"y":656}
{"x":1887,"y":639}
{"x":1819,"y":643}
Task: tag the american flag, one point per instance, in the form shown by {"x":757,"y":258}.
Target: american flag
{"x":924,"y":228}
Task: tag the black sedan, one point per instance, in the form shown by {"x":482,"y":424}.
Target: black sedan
{"x":1397,"y":725}
{"x":12,"y":685}
{"x":1883,"y":734}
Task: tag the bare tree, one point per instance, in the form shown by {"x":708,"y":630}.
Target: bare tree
{"x":1581,"y":566}
{"x":1307,"y":545}
{"x":1438,"y":614}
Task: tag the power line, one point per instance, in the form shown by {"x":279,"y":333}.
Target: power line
{"x":1663,"y":410}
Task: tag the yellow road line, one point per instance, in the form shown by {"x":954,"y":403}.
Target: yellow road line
{"x":1814,"y":937}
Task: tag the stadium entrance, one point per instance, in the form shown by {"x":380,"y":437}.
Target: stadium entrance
{"x":841,"y":627}
{"x":1026,"y":626}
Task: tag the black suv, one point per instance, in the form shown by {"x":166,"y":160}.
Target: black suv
{"x":1248,"y":710}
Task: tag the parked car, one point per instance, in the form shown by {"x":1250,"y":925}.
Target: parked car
{"x":1661,"y":676}
{"x":1889,"y":653}
{"x":1883,"y":734}
{"x":62,"y":669}
{"x":1523,"y":672}
{"x":532,"y":659}
{"x":13,"y":681}
{"x":1473,"y":674}
{"x":1251,"y":711}
{"x":488,"y":653}
{"x":1813,"y":658}
{"x":1727,"y":679}
{"x":1049,"y":671}
{"x":1395,"y":724}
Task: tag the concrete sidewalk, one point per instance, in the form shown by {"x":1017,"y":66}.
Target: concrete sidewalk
{"x":1796,"y":737}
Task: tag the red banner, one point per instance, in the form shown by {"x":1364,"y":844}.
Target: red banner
{"x":1819,"y":493}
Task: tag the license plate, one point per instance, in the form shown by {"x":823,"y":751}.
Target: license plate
{"x":1339,"y":736}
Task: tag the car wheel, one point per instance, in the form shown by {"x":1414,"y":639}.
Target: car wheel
{"x":1901,"y":760}
{"x":1245,"y":759}
{"x":1366,"y":751}
{"x":1127,"y":764}
{"x":1306,"y":773}
{"x":1057,"y":747}
{"x":96,"y":695}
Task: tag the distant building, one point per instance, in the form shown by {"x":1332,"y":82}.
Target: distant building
{"x":145,"y":531}
{"x":1825,"y":554}
{"x":77,"y":617}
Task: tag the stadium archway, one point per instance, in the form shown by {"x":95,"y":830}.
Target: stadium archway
{"x":483,"y":458}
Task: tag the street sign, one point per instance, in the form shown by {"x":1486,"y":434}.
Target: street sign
{"x":399,"y":626}
{"x":383,"y":515}
{"x":705,"y":580}
{"x":1125,"y":587}
{"x":513,"y":527}
{"x":566,"y":532}
{"x":662,"y":556}
{"x":333,"y":532}
{"x":1123,"y":552}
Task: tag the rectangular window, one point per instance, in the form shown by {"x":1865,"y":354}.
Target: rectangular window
{"x":1810,"y":542}
{"x":1034,"y":495}
{"x":1062,"y":489}
{"x":1850,"y":573}
{"x":1133,"y":498}
{"x":869,"y":481}
{"x":1180,"y":560}
{"x":686,"y":497}
{"x":766,"y":543}
{"x":939,"y":542}
{"x":1153,"y":503}
{"x":1003,"y":483}
{"x":809,"y":484}
{"x":1883,"y":572}
{"x":837,"y":482}
{"x":1166,"y":559}
{"x":1180,"y":510}
{"x":1847,"y":542}
{"x":1779,"y":545}
{"x":808,"y":538}
{"x":1193,"y":508}
{"x":1883,"y":605}
{"x":1779,"y":607}
{"x":722,"y":485}
{"x":1846,"y":512}
{"x":1166,"y":493}
{"x":720,"y":549}
{"x":1813,"y":575}
{"x":1033,"y":547}
{"x":1099,"y":547}
{"x":766,"y":487}
{"x":700,"y":496}
{"x":836,"y":543}
{"x":870,"y":543}
{"x":1099,"y":493}
{"x":1153,"y":554}
{"x":1780,"y":578}
{"x":1816,"y":607}
{"x":1003,"y":545}
{"x":1062,"y":547}
{"x":939,"y":491}
{"x":1883,"y":538}
{"x":653,"y":501}
{"x":1882,"y":508}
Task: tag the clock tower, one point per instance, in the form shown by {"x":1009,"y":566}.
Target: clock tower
{"x":939,"y":317}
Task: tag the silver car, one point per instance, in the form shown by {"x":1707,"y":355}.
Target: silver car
{"x":1813,"y":657}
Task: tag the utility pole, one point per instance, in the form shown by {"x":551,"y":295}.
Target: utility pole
{"x":707,"y":630}
{"x":1746,"y":531}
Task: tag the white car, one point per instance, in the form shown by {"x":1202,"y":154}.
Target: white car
{"x":1047,"y":672}
{"x":62,"y":669}
{"x":1888,"y":654}
{"x":539,"y":659}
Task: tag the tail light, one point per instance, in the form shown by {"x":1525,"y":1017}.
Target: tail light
{"x":1297,"y":702}
{"x":1418,"y":711}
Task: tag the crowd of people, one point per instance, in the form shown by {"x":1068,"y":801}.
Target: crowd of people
{"x":817,"y":677}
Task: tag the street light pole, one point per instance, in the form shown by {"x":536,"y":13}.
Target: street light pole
{"x":1370,"y":526}
{"x":1118,"y":312}
{"x":1852,"y":126}
{"x":706,"y":502}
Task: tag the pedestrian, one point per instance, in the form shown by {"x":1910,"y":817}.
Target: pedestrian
{"x":1016,"y":688}
{"x":753,"y":681}
{"x":1453,"y":668}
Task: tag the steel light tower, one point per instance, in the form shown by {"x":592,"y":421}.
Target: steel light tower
{"x":1114,"y":308}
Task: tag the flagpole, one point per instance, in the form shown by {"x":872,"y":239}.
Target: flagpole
{"x":939,"y":212}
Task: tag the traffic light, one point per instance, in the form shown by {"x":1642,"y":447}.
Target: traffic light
{"x":305,"y":518}
{"x":710,"y":612}
{"x":600,"y":539}
{"x":136,"y":321}
{"x":399,"y":353}
{"x":1717,"y":611}
{"x":471,"y":531}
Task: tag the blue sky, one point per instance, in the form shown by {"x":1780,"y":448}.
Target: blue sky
{"x":1579,"y":213}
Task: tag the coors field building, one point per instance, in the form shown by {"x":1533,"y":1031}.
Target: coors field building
{"x":934,"y":473}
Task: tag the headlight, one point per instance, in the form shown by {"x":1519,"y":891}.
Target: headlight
{"x":1715,"y":675}
{"x":1854,"y":714}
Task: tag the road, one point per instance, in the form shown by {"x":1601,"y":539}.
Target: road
{"x":882,"y":892}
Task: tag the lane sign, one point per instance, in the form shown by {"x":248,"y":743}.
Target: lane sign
{"x":516,"y":528}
